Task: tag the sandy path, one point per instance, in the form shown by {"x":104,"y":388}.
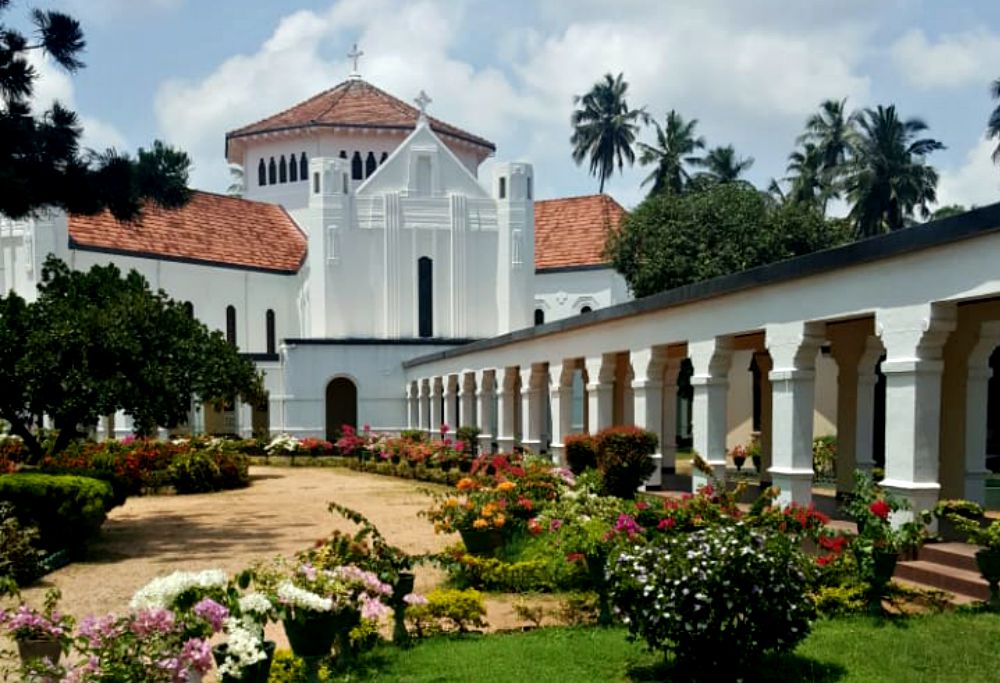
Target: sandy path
{"x":283,"y":511}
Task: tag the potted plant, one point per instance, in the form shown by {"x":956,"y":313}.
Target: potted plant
{"x":739,"y":455}
{"x":754,"y":451}
{"x":988,"y":557}
{"x":945,"y":510}
{"x":39,"y":635}
{"x":246,"y":656}
{"x":477,"y":511}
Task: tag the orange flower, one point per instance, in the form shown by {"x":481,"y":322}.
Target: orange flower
{"x":465,"y":484}
{"x":506,"y":486}
{"x":480,"y":524}
{"x":489,"y":510}
{"x":499,"y":521}
{"x":451,"y":503}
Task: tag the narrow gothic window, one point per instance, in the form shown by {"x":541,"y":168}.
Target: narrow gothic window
{"x":282,"y":170}
{"x":272,"y":172}
{"x":231,"y":325}
{"x":385,"y":155}
{"x":370,"y":164}
{"x":343,"y":154}
{"x":529,"y":187}
{"x":315,"y":183}
{"x":539,"y":316}
{"x":357,"y":167}
{"x":503,"y":188}
{"x":261,"y":173}
{"x":293,"y":170}
{"x":269,"y":324}
{"x":423,"y":186}
{"x":303,"y":167}
{"x":425,"y":294}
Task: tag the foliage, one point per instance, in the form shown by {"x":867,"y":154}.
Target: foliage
{"x":675,"y":146}
{"x":604,"y":128}
{"x":448,"y":610}
{"x":673,"y":240}
{"x":194,"y":472}
{"x":413,"y":435}
{"x":581,"y":452}
{"x":624,"y":458}
{"x":95,"y":342}
{"x":468,"y":435}
{"x":840,"y":600}
{"x":41,"y":163}
{"x":287,"y":668}
{"x":993,"y":125}
{"x":716,"y":599}
{"x":977,"y":534}
{"x":964,"y":508}
{"x":825,"y":456}
{"x":20,"y":558}
{"x":26,"y":623}
{"x":722,"y":165}
{"x":67,"y":510}
{"x":527,"y":573}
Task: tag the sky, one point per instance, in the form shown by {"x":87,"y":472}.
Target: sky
{"x":187,"y":71}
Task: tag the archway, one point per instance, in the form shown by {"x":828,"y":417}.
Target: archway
{"x":341,"y":406}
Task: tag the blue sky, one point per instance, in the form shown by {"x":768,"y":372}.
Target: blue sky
{"x":189,"y":70}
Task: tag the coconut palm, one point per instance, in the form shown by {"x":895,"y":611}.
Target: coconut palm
{"x":888,"y":178}
{"x":237,"y":185}
{"x":675,"y":147}
{"x":604,"y":128}
{"x":722,"y":165}
{"x":830,"y":130}
{"x":807,"y":184}
{"x":993,"y":126}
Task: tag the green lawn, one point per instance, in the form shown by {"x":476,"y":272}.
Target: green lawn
{"x":951,"y":647}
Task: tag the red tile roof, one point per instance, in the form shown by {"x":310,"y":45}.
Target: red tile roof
{"x":212,"y":229}
{"x":356,"y":104}
{"x":572,"y":231}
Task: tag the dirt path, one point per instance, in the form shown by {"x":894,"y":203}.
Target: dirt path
{"x":283,"y":511}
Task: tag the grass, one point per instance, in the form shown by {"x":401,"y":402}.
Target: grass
{"x":941,"y":648}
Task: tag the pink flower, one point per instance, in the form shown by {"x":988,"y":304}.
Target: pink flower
{"x":414,"y":599}
{"x":444,"y":430}
{"x":212,"y":612}
{"x":98,"y":630}
{"x":555,"y":525}
{"x":197,"y":654}
{"x":372,"y":609}
{"x":666,"y":523}
{"x":153,"y":621}
{"x":626,"y":524}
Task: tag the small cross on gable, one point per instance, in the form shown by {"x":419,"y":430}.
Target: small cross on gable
{"x":422,"y":100}
{"x":354,"y":55}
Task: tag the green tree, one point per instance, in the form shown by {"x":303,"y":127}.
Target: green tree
{"x":723,"y":165}
{"x":888,"y":178}
{"x":807,"y":185}
{"x":675,"y":146}
{"x":993,"y":125}
{"x":830,"y":130}
{"x":673,"y":240}
{"x":41,"y":163}
{"x":96,"y":342}
{"x":947,"y":211}
{"x":604,"y":128}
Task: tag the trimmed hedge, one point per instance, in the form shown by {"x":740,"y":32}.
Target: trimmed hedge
{"x":624,"y":458}
{"x":68,"y":510}
{"x":581,"y":452}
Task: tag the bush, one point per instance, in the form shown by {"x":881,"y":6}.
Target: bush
{"x":470,"y":437}
{"x":413,"y":435}
{"x":287,"y":668}
{"x":234,"y":470}
{"x":581,"y":452}
{"x":624,"y":459}
{"x":717,"y":599}
{"x":68,"y":510}
{"x":528,"y":574}
{"x":825,"y":456}
{"x":448,"y":610}
{"x":19,"y":558}
{"x":194,"y":472}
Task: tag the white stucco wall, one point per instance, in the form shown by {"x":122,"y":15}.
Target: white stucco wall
{"x":562,"y":293}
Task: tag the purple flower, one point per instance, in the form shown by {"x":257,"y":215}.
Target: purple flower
{"x":626,"y":524}
{"x":98,"y":630}
{"x":372,"y":609}
{"x":197,"y":654}
{"x":309,"y":571}
{"x":153,"y":621}
{"x":212,"y":612}
{"x":414,"y":599}
{"x":555,"y":525}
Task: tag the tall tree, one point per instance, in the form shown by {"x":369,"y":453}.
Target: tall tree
{"x":888,"y":178}
{"x":723,"y":165}
{"x":829,"y":131}
{"x":675,"y":146}
{"x":805,"y":167}
{"x":41,"y":163}
{"x":993,"y":125}
{"x":604,"y":128}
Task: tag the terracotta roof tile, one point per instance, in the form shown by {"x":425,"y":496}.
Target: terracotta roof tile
{"x":572,"y":231}
{"x":211,"y":228}
{"x":354,"y":103}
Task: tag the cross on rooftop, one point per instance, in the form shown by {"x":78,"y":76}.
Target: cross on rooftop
{"x":354,"y":55}
{"x":422,"y":100}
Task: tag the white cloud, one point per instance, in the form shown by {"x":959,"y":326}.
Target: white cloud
{"x":954,"y":60}
{"x":975,"y":182}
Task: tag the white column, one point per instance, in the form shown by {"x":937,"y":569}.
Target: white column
{"x":647,"y":400}
{"x":793,"y":348}
{"x":424,"y":404}
{"x":505,"y":404}
{"x":412,"y":405}
{"x":600,"y":391}
{"x":710,"y":360}
{"x":486,"y":395}
{"x":864,"y":458}
{"x":531,"y":407}
{"x":466,"y":399}
{"x":561,"y":399}
{"x":451,"y":402}
{"x":668,"y":447}
{"x":976,"y":398}
{"x":437,"y":391}
{"x":913,"y":337}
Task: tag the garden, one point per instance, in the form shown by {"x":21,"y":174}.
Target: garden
{"x":450,"y":559}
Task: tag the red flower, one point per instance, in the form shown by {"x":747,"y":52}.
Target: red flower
{"x":534,"y":527}
{"x":880,"y":509}
{"x":574,"y":557}
{"x":824,"y":560}
{"x":666,"y":523}
{"x":641,"y":505}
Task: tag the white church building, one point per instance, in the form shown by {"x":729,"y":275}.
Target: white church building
{"x":365,"y":238}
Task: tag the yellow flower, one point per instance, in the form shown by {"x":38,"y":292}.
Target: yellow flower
{"x":489,"y":510}
{"x":505,"y":486}
{"x":480,"y":524}
{"x":451,"y":503}
{"x":499,"y":521}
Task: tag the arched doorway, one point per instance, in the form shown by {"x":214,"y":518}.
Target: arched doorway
{"x":341,"y":406}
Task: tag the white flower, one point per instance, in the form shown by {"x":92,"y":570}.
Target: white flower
{"x":284,"y":443}
{"x":255,"y":603}
{"x":298,"y":597}
{"x":162,"y":591}
{"x":243,"y":648}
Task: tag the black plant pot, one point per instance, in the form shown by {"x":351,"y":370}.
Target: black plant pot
{"x":256,"y":673}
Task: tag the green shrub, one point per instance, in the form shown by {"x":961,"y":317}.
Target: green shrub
{"x":414,"y":435}
{"x":825,"y":457}
{"x":287,"y":668}
{"x":68,"y":510}
{"x":234,"y":470}
{"x":581,"y":452}
{"x":717,"y":599}
{"x":523,"y":575}
{"x":838,"y":601}
{"x":469,"y":435}
{"x":19,"y":558}
{"x":448,"y":610}
{"x":194,"y":472}
{"x":624,"y":457}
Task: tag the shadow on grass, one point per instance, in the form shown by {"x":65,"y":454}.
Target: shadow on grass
{"x":787,"y":668}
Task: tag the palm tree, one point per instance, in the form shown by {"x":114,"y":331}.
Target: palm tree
{"x":237,"y":185}
{"x":675,"y":145}
{"x":830,"y":131}
{"x":604,"y":128}
{"x":888,"y":178}
{"x":993,"y":126}
{"x":722,"y":165}
{"x":807,"y":180}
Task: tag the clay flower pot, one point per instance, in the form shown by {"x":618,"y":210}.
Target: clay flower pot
{"x":39,"y":648}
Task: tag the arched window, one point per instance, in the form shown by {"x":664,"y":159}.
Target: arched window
{"x":539,"y":316}
{"x":370,"y":164}
{"x":343,"y":154}
{"x":357,"y":167}
{"x":585,"y":309}
{"x":189,"y":309}
{"x":272,"y":172}
{"x":261,"y":173}
{"x":385,"y":155}
{"x":303,"y":167}
{"x":282,"y":170}
{"x":269,"y":325}
{"x":231,"y":325}
{"x":293,"y":170}
{"x":425,"y":296}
